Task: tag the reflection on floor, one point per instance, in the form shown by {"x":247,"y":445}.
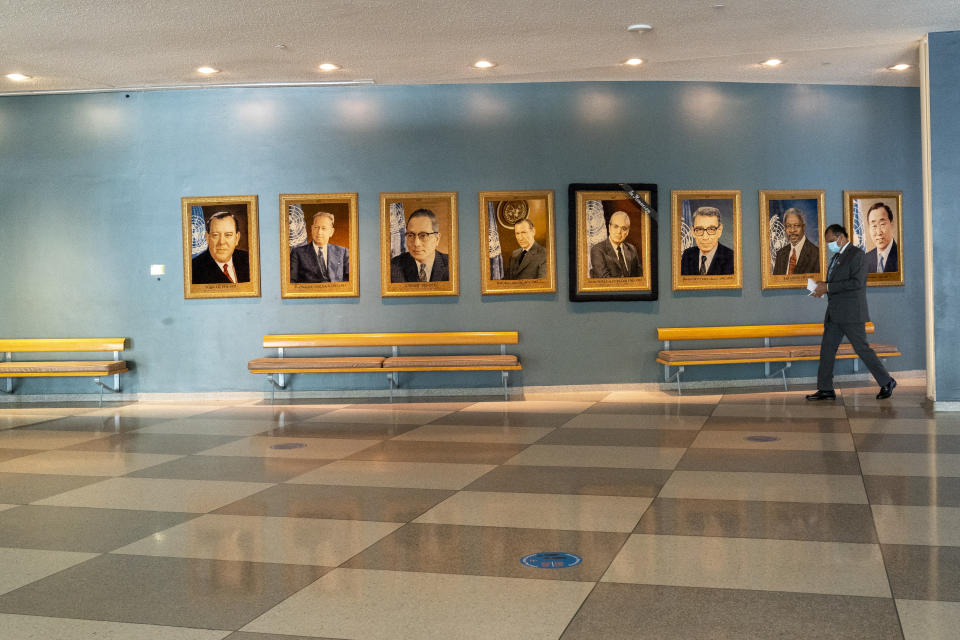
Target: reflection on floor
{"x":736,"y":514}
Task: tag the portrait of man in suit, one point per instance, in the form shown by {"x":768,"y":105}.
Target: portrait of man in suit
{"x":883,"y":257}
{"x":708,"y":257}
{"x":529,"y":261}
{"x":221,"y":262}
{"x":800,"y":255}
{"x":320,"y":260}
{"x":615,"y":257}
{"x":421,"y":262}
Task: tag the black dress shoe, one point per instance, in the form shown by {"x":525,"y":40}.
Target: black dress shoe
{"x":822,"y":395}
{"x":887,"y":390}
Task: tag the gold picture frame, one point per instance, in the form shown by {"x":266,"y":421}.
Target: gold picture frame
{"x":867,"y":217}
{"x":508,"y":218}
{"x":724,"y":265}
{"x":231,"y":222}
{"x":438,"y":245}
{"x":598,"y":211}
{"x":791,"y":238}
{"x":306,"y":220}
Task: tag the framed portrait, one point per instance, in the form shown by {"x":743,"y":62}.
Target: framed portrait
{"x":418,"y":244}
{"x":517,"y":246}
{"x":221,"y":251}
{"x":791,"y":228}
{"x":707,"y":249}
{"x":613,"y":242}
{"x":318,"y":245}
{"x":874,"y":220}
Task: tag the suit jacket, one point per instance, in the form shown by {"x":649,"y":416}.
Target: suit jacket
{"x":892,"y":260}
{"x":305,"y":265}
{"x":604,"y":262}
{"x":205,"y":270}
{"x":847,"y":288}
{"x":807,"y":262}
{"x":533,"y":265}
{"x":722,"y":264}
{"x":403,"y":268}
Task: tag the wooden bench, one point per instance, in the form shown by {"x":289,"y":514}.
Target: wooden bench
{"x":392,"y":364}
{"x":765,"y":354}
{"x":95,"y":369}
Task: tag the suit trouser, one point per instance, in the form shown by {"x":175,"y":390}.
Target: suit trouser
{"x":856,"y":332}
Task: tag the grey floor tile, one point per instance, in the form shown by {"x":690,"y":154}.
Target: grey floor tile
{"x":798,"y":425}
{"x":621,"y":437}
{"x":595,"y":481}
{"x":920,"y":572}
{"x":269,"y":414}
{"x":885,"y":411}
{"x":383,"y":504}
{"x":650,"y":612}
{"x":171,"y":443}
{"x":752,"y":519}
{"x":928,"y":619}
{"x":23,"y":488}
{"x":80,"y":529}
{"x":494,"y":551}
{"x":659,"y":409}
{"x":504,"y":419}
{"x":115,"y":424}
{"x":907,"y":443}
{"x":211,"y":594}
{"x":834,"y":462}
{"x":358,"y":430}
{"x":246,"y":635}
{"x":10,"y":454}
{"x":235,"y":468}
{"x":419,"y":451}
{"x":913,"y":490}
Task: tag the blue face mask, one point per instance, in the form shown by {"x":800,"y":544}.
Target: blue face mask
{"x":833,"y":246}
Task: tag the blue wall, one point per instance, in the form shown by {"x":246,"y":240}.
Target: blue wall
{"x":945,"y":181}
{"x":90,"y":189}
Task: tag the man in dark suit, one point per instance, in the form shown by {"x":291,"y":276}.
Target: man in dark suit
{"x":530,"y":260}
{"x":615,"y":257}
{"x":421,"y":262}
{"x":883,"y":257}
{"x":846,"y":290}
{"x":800,"y":255}
{"x":320,"y":261}
{"x":709,"y":257}
{"x":222,"y":262}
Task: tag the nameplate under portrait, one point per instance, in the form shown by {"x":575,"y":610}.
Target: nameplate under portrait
{"x":517,"y":246}
{"x":875,"y":222}
{"x":706,"y":238}
{"x":318,"y":245}
{"x":221,"y":252}
{"x":791,"y":228}
{"x":418,"y":244}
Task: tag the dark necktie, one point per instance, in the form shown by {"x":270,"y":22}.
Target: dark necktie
{"x":793,"y":261}
{"x":523,"y":254}
{"x":226,"y":272}
{"x":423,"y":272}
{"x":833,"y":263}
{"x":623,"y":263}
{"x":323,"y":266}
{"x":703,"y":265}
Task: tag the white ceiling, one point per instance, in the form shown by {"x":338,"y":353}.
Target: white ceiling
{"x":75,"y":45}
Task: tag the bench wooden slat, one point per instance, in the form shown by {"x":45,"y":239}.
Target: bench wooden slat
{"x":744,"y":331}
{"x":346,"y":363}
{"x":59,"y":369}
{"x":677,"y":357}
{"x":38,"y":345}
{"x":450,"y":362}
{"x":390,"y":339}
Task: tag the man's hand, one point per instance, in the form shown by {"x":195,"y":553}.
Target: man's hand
{"x":820,"y":290}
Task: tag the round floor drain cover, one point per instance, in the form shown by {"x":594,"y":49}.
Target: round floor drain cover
{"x":288,"y":445}
{"x":551,"y":560}
{"x":762,"y":438}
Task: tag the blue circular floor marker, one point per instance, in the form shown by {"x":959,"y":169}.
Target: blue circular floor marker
{"x":762,"y":438}
{"x":551,"y":560}
{"x":288,"y":445}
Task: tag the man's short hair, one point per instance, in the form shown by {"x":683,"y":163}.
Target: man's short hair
{"x":220,"y":215}
{"x":426,"y":213}
{"x":793,"y":211}
{"x":322,"y":214}
{"x":836,"y":229}
{"x":880,"y":205}
{"x":529,"y":223}
{"x":707,"y":212}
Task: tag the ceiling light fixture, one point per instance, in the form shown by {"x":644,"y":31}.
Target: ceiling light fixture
{"x":639,"y":28}
{"x":18,"y":77}
{"x":207,"y":70}
{"x":484,"y":64}
{"x":772,"y":62}
{"x":899,"y":67}
{"x":633,"y":62}
{"x":328,"y":66}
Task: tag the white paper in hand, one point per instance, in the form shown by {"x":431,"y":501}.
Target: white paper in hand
{"x":811,"y":286}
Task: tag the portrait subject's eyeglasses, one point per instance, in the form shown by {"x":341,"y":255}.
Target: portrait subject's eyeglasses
{"x":422,"y":236}
{"x":710,"y":231}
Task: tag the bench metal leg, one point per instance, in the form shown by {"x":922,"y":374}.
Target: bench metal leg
{"x":274,"y":385}
{"x":782,"y":371}
{"x":8,"y":386}
{"x":113,"y":389}
{"x":676,"y":374}
{"x":394,"y":382}
{"x":506,"y":376}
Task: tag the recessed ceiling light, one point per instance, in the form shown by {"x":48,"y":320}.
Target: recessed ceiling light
{"x":484,"y":64}
{"x":207,"y":70}
{"x":899,"y":67}
{"x":328,"y":66}
{"x":634,"y":62}
{"x":772,"y":62}
{"x":19,"y":77}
